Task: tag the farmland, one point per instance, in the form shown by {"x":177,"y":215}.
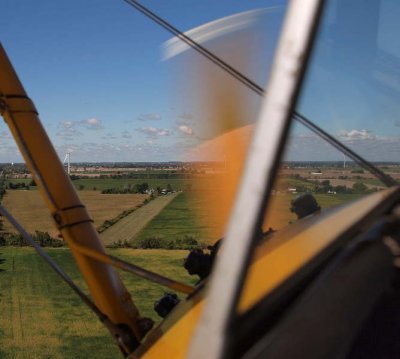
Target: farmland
{"x":184,"y":216}
{"x":120,"y":183}
{"x":29,"y":209}
{"x":42,"y":318}
{"x":40,"y":315}
{"x":129,"y":226}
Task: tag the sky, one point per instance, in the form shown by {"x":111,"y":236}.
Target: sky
{"x":96,"y":73}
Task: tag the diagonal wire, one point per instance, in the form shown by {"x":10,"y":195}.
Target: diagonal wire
{"x":195,"y":45}
{"x":386,"y":179}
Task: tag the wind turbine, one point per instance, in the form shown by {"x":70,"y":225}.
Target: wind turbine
{"x":67,"y":160}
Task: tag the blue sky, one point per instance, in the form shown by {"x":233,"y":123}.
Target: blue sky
{"x":94,"y":69}
{"x":352,"y":89}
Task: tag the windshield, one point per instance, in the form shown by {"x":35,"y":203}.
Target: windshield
{"x":349,"y":93}
{"x":352,"y":92}
{"x":350,"y":96}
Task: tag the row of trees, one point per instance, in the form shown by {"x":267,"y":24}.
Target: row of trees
{"x":325,"y":186}
{"x":42,"y":238}
{"x":18,"y":185}
{"x":133,"y":175}
{"x":357,"y":188}
{"x":138,"y":188}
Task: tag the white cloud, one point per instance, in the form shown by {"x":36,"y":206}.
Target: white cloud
{"x":67,"y":129}
{"x":153,"y":132}
{"x":309,"y":147}
{"x":149,"y":117}
{"x":9,"y":153}
{"x":185,"y":130}
{"x":92,"y":123}
{"x":356,"y":135}
{"x":99,"y":152}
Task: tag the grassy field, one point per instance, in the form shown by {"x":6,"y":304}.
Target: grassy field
{"x":185,"y":216}
{"x":42,"y":318}
{"x":30,"y":210}
{"x":284,"y":183}
{"x":182,"y":217}
{"x":104,"y":183}
{"x":129,"y":226}
{"x":372,"y":182}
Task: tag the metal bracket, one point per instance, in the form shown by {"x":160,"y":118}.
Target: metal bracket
{"x":17,"y":104}
{"x":71,"y":216}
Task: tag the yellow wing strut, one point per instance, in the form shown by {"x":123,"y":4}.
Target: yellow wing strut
{"x":58,"y":192}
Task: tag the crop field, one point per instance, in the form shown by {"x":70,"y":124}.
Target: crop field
{"x":30,"y":210}
{"x":185,"y":216}
{"x":284,"y":183}
{"x":42,"y":318}
{"x":129,"y":226}
{"x":121,"y":183}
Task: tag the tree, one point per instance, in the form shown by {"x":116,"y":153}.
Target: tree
{"x":359,"y":187}
{"x":141,"y":187}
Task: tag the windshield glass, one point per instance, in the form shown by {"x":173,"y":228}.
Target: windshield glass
{"x":351,"y":91}
{"x":352,"y":88}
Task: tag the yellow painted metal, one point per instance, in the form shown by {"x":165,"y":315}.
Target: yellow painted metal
{"x":62,"y":200}
{"x":275,"y":261}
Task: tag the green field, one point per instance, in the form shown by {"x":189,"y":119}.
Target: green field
{"x":372,"y":181}
{"x":185,"y":216}
{"x":42,"y":318}
{"x":327,"y":200}
{"x":129,"y":226}
{"x":182,"y":217}
{"x":284,"y":183}
{"x":121,"y":183}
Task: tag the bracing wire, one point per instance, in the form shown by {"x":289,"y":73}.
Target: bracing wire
{"x":386,"y":179}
